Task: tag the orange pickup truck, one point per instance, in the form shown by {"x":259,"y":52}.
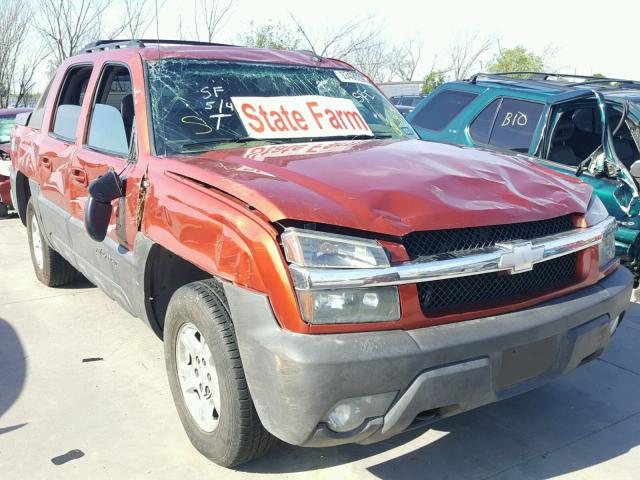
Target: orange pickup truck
{"x":317,"y":273}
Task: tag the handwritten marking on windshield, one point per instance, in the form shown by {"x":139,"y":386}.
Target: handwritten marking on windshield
{"x":362,"y":95}
{"x":193,"y":120}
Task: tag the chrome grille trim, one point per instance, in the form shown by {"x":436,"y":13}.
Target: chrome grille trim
{"x":500,"y":257}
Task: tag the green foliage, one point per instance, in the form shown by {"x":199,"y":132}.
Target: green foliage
{"x":270,"y":35}
{"x":598,"y":75}
{"x":517,"y":59}
{"x":433,"y":80}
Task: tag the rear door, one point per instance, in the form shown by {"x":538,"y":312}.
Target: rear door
{"x":507,"y":123}
{"x":56,"y":147}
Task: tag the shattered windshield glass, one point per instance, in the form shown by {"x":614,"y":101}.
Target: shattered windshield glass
{"x":200,"y":105}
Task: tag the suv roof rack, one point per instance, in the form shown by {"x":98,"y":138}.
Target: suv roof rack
{"x":102,"y":45}
{"x":558,"y":80}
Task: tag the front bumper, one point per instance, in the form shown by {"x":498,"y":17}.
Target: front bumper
{"x":439,"y":371}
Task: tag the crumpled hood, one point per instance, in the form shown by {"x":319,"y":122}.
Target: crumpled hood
{"x":386,"y":186}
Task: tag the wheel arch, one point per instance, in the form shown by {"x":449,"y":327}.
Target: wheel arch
{"x":164,"y":273}
{"x":22,"y":195}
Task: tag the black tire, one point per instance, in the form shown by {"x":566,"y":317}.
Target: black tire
{"x":54,"y":271}
{"x":239,"y":436}
{"x":4,"y":210}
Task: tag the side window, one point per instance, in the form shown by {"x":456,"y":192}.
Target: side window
{"x":515,"y":124}
{"x":480,"y":128}
{"x":37,"y":115}
{"x":442,"y":108}
{"x":112,"y":115}
{"x":69,"y":103}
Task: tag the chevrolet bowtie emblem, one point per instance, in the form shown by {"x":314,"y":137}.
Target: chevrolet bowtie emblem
{"x":520,"y":256}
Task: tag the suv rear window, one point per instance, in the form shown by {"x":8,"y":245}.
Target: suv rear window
{"x":507,"y":123}
{"x":442,"y":108}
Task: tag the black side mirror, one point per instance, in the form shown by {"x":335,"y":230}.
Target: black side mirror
{"x":22,"y":118}
{"x":102,"y":191}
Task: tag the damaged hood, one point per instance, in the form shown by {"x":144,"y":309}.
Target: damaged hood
{"x":385,"y":186}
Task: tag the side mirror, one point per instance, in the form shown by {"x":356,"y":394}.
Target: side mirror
{"x":635,"y":170}
{"x":102,"y":191}
{"x":23,"y":118}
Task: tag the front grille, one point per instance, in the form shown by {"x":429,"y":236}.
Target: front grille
{"x":495,"y":287}
{"x":456,"y":239}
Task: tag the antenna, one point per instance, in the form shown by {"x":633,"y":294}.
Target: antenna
{"x":157,"y":29}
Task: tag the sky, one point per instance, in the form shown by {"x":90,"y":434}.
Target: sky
{"x":584,"y":37}
{"x":585,"y":40}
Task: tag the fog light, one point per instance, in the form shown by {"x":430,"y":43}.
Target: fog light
{"x":350,"y":413}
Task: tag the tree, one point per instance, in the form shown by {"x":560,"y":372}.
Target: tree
{"x":136,"y":19}
{"x":341,"y":41}
{"x":516,"y":59}
{"x":212,"y":14}
{"x":270,"y":35}
{"x":376,"y":61}
{"x":433,"y":80}
{"x":19,"y":58}
{"x":465,"y":54}
{"x":404,"y":60}
{"x":67,"y":25}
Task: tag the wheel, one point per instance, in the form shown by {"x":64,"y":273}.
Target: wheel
{"x":4,"y":210}
{"x":50,"y":267}
{"x":207,"y":379}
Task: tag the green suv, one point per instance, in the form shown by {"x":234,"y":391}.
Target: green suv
{"x":583,"y":126}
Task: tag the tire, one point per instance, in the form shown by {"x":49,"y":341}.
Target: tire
{"x":4,"y":210}
{"x":50,"y":267}
{"x":199,"y":311}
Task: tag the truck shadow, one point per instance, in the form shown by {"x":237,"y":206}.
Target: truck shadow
{"x":13,"y":370}
{"x":535,"y":435}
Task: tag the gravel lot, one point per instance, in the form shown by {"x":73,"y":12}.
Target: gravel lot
{"x":118,"y":413}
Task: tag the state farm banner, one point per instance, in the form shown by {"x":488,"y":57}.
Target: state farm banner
{"x":299,"y":117}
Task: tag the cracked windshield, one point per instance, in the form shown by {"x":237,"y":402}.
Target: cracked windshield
{"x":200,"y":105}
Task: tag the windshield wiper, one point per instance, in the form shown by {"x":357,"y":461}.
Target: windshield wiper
{"x":208,"y":143}
{"x":193,"y":146}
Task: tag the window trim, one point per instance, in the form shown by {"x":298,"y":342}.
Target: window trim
{"x":54,"y":111}
{"x":85,"y":135}
{"x":502,"y":98}
{"x":493,"y":121}
{"x":447,"y":90}
{"x":551,"y":122}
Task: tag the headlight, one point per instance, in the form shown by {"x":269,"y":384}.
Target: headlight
{"x":607,"y":248}
{"x":313,"y":249}
{"x":353,"y":305}
{"x":316,"y":249}
{"x":596,"y":211}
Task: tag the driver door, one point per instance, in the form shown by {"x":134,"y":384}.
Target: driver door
{"x":110,"y":143}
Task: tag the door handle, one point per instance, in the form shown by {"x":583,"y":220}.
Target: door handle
{"x":79,"y":175}
{"x":46,"y":162}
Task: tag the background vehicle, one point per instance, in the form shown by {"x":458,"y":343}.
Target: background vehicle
{"x":561,"y":120}
{"x":317,"y":273}
{"x":7,"y":118}
{"x":405,"y":103}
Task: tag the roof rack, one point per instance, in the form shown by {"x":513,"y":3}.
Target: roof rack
{"x":102,"y":45}
{"x":546,"y":79}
